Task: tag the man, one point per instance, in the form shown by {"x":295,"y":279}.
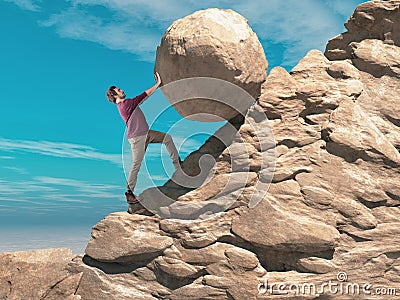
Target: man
{"x":138,"y":133}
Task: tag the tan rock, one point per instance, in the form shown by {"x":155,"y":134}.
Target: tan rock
{"x":242,"y":259}
{"x":211,"y":43}
{"x":343,"y":69}
{"x":380,"y":102}
{"x":284,"y":231}
{"x":371,"y":20}
{"x":126,"y":238}
{"x":207,"y":255}
{"x":115,"y":281}
{"x":386,"y":214}
{"x":219,"y":185}
{"x":352,"y":136}
{"x":196,"y":291}
{"x":243,"y":270}
{"x":316,"y":265}
{"x":295,"y":133}
{"x":374,"y":50}
{"x":376,"y":57}
{"x":174,"y":273}
{"x":202,"y":233}
{"x":177,"y":268}
{"x":37,"y":274}
{"x":278,"y":97}
{"x":291,"y":163}
{"x":66,"y":289}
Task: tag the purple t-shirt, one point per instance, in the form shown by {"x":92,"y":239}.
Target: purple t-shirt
{"x":133,"y":116}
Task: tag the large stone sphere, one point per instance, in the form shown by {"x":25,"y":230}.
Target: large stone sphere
{"x":211,"y":43}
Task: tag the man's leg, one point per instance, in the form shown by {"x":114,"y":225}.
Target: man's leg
{"x":154,"y":136}
{"x":138,"y":147}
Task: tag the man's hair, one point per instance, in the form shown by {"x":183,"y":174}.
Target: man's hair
{"x":111,"y":93}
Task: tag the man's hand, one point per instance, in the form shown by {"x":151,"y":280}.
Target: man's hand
{"x":151,"y":90}
{"x":157,"y":78}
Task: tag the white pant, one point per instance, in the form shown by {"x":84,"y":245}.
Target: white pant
{"x":139,"y":146}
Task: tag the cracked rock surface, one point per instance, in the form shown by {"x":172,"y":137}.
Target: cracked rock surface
{"x":213,"y":43}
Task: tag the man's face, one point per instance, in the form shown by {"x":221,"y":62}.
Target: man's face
{"x":120,"y":93}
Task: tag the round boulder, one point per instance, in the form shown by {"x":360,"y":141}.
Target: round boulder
{"x":212,"y":43}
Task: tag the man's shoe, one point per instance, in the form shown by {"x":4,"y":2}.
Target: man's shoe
{"x":134,"y":205}
{"x":130,"y":197}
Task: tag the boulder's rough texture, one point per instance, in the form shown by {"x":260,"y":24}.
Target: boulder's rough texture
{"x":212,"y":43}
{"x":331,"y":211}
{"x":130,"y":238}
{"x":372,"y":45}
{"x":376,"y":20}
{"x":38,"y":274}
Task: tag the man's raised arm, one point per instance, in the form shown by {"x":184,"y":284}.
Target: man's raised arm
{"x":154,"y":87}
{"x":151,"y":90}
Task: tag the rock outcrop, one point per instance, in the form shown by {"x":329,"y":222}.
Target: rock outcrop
{"x":372,"y":45}
{"x":211,"y":43}
{"x":331,"y":214}
{"x":38,"y":274}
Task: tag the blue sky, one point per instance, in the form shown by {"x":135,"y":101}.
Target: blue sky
{"x":61,"y":141}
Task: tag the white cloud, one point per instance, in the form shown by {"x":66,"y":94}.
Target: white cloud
{"x":43,"y":192}
{"x":26,"y":4}
{"x":342,"y":7}
{"x":299,"y":25}
{"x":58,"y":149}
{"x":155,"y":13}
{"x":16,"y":169}
{"x":7,"y":157}
{"x":136,"y":26}
{"x":64,"y":198}
{"x":13,"y":189}
{"x":84,"y":189}
{"x":76,"y":23}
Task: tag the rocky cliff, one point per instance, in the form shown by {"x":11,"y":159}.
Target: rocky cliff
{"x":331,"y":213}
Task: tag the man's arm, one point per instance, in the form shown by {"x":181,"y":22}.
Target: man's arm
{"x":151,"y":90}
{"x":132,"y":103}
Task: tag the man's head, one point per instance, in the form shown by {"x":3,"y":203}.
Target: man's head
{"x":114,"y":94}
